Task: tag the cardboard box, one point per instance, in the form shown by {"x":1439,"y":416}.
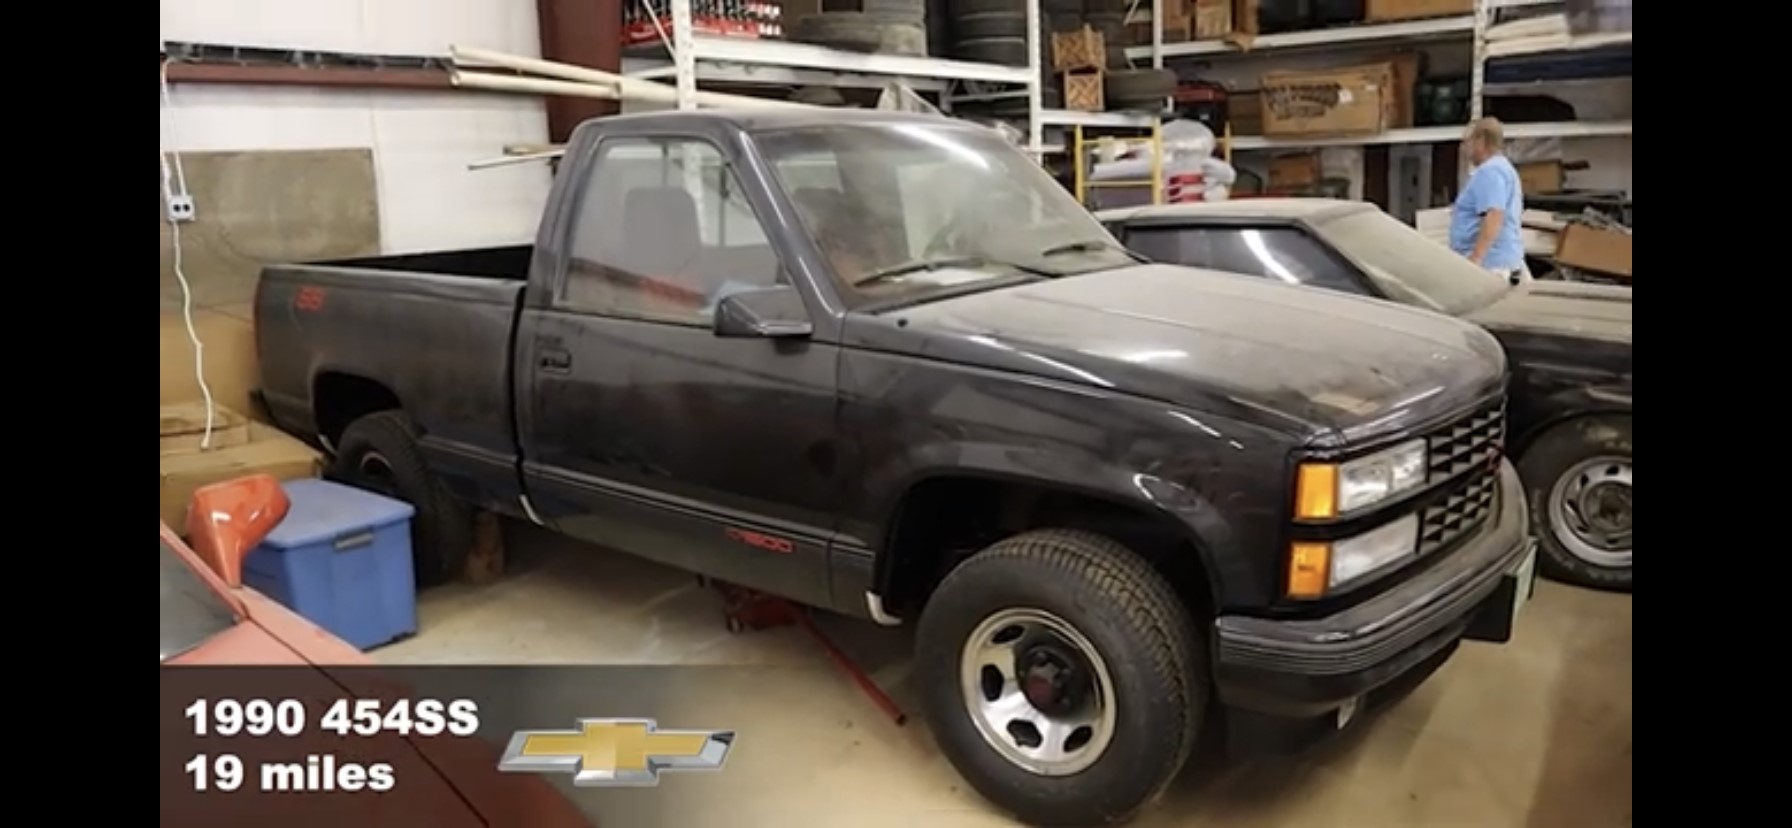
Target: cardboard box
{"x":1244,"y":110}
{"x":1085,"y":91}
{"x":267,"y":451}
{"x":1595,"y":248}
{"x":1294,"y":172}
{"x":1403,"y":90}
{"x":1351,"y":101}
{"x":1388,"y":11}
{"x":231,"y":369}
{"x":1084,"y":48}
{"x":183,"y":428}
{"x":1177,"y":29}
{"x":1212,"y":19}
{"x":1538,"y":177}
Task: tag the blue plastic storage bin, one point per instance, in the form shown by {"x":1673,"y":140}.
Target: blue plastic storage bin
{"x":341,"y":558}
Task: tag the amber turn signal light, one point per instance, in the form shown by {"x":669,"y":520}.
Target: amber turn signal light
{"x":1316,"y":492}
{"x":1309,"y":569}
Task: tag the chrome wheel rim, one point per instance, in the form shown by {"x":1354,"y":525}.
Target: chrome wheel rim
{"x":1590,"y":511}
{"x":1038,"y":692}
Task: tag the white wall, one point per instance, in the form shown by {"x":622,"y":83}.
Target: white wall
{"x":421,"y":141}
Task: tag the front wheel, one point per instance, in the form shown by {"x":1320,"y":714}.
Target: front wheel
{"x":1578,"y":476}
{"x":1061,"y":677}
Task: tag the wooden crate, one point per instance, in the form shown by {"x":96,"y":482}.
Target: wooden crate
{"x":1083,"y":91}
{"x":1084,"y":48}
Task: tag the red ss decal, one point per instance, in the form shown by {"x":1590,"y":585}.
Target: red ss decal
{"x":309,"y":299}
{"x":782,"y":546}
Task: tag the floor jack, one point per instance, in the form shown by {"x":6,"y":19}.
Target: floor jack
{"x":746,"y":609}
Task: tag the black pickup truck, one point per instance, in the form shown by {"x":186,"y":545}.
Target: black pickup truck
{"x":1569,"y":345}
{"x":881,"y":364}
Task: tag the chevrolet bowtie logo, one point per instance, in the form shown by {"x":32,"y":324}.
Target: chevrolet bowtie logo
{"x":615,"y":752}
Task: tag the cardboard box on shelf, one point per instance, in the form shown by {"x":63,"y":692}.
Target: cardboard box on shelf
{"x":1084,"y":48}
{"x":1538,"y":177}
{"x":1212,"y":18}
{"x":183,"y":428}
{"x":1599,"y":249}
{"x":1294,"y":172}
{"x":1244,"y":110}
{"x":1388,"y":11}
{"x":1178,"y":28}
{"x":266,"y":451}
{"x":1348,"y":101}
{"x":1403,"y":90}
{"x":1084,"y":91}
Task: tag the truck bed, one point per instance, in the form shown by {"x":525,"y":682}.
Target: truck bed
{"x":433,"y":328}
{"x":510,"y":263}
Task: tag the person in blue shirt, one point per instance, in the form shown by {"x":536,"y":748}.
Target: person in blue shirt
{"x":1484,"y":222}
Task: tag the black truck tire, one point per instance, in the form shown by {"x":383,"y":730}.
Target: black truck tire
{"x":961,"y":8}
{"x":846,"y":31}
{"x":1577,"y":478}
{"x":1067,"y":9}
{"x":1006,"y":51}
{"x":1139,"y":88}
{"x":994,"y":24}
{"x":905,"y":12}
{"x":1094,"y":610}
{"x":379,"y":453}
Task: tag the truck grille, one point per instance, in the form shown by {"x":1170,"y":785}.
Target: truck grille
{"x":1464,"y":456}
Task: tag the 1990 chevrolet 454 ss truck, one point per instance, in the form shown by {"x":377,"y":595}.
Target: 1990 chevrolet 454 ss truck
{"x":882,"y":364}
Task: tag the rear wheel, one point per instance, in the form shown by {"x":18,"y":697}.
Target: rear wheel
{"x":379,"y":453}
{"x":1061,"y":677}
{"x":1578,"y":476}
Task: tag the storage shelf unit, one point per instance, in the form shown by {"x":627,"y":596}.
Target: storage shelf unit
{"x":1486,"y":49}
{"x":691,"y":59}
{"x":1470,"y":29}
{"x":1443,"y":28}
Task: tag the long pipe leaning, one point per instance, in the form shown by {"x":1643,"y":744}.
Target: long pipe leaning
{"x":624,"y":88}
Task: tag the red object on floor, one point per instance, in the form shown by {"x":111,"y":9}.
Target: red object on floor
{"x":747,"y":609}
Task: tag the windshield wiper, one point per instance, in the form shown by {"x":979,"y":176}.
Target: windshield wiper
{"x":929,"y":265}
{"x":1091,"y":246}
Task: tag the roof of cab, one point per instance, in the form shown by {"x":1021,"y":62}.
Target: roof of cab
{"x":1244,"y":209}
{"x":793,"y":117}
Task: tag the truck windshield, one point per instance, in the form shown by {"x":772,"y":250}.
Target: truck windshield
{"x":1410,"y":267}
{"x":191,"y":612}
{"x":908,"y":208}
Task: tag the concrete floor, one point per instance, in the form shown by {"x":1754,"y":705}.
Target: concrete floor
{"x":1535,"y":733}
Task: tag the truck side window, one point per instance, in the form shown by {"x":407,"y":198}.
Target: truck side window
{"x":1272,"y":252}
{"x":663,"y":231}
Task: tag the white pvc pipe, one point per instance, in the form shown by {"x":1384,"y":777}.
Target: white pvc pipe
{"x":537,"y":86}
{"x":633,"y":89}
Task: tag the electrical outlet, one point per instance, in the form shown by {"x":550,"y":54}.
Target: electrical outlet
{"x":181,"y":207}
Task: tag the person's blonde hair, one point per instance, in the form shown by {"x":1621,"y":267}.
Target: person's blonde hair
{"x":1488,"y":132}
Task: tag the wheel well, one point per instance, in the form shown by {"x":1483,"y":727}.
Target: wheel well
{"x":339,"y":399}
{"x":943,"y":520}
{"x":1532,"y":434}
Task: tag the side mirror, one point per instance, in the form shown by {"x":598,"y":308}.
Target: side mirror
{"x":229,"y":519}
{"x":775,"y":312}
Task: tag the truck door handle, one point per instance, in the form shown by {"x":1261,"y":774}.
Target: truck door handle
{"x":554,"y":359}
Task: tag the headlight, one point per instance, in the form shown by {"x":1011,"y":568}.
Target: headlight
{"x":1324,"y":491}
{"x":1318,"y":567}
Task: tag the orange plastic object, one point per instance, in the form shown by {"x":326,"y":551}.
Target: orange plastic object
{"x":228,"y":519}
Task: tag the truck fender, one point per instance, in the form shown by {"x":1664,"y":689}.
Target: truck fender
{"x":1206,"y":528}
{"x":1573,"y":403}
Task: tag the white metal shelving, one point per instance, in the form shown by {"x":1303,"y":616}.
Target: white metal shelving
{"x":1486,"y":49}
{"x":689,"y":59}
{"x":1406,"y":31}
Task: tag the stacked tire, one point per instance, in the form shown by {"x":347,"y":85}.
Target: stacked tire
{"x":890,"y":27}
{"x":989,"y":31}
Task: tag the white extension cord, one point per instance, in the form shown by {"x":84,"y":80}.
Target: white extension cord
{"x":174,"y":190}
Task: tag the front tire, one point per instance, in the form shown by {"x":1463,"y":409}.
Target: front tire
{"x":379,"y":453}
{"x":1578,"y":477}
{"x":1062,"y":677}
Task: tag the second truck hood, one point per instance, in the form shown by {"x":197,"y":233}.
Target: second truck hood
{"x":1319,"y":361}
{"x":1569,"y":309}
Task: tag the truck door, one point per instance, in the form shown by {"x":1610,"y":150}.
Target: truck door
{"x":642,"y":429}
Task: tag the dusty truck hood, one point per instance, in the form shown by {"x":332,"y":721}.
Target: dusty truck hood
{"x":1570,"y":309}
{"x":1322,"y":364}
